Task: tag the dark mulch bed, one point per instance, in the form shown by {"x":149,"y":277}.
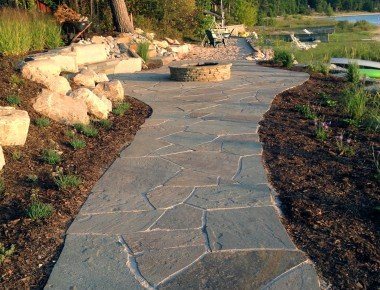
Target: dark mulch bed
{"x":38,"y":243}
{"x":327,"y":199}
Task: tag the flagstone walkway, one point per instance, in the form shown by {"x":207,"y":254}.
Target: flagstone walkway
{"x":187,"y":205}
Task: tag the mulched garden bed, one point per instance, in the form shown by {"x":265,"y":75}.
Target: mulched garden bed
{"x":38,"y":243}
{"x":328,"y":199}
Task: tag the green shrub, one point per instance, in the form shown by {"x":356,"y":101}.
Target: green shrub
{"x":353,"y":74}
{"x":14,"y":100}
{"x":22,"y":31}
{"x":64,"y":182}
{"x":143,"y":50}
{"x":283,"y":58}
{"x":51,"y":157}
{"x":120,"y":109}
{"x":2,"y":187}
{"x":78,"y":143}
{"x":306,"y":111}
{"x":354,"y":103}
{"x":15,"y":80}
{"x":42,"y":122}
{"x":319,"y":68}
{"x":5,"y":253}
{"x":106,"y":124}
{"x":86,"y":130}
{"x":39,"y":210}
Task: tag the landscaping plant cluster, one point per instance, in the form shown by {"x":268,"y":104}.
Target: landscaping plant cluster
{"x":44,"y":182}
{"x":322,"y":149}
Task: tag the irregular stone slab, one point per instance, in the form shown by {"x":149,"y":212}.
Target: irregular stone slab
{"x":92,"y":262}
{"x":189,"y":139}
{"x":223,"y":128}
{"x":156,"y":240}
{"x":299,"y":278}
{"x":215,"y":163}
{"x":97,"y":106}
{"x":155,"y":266}
{"x":122,"y":187}
{"x":252,"y":171}
{"x":61,"y":108}
{"x":114,"y":223}
{"x":172,"y":149}
{"x":2,"y":159}
{"x":14,"y":126}
{"x":230,"y":196}
{"x":246,"y":144}
{"x":189,"y":177}
{"x":143,"y":146}
{"x":180,"y":217}
{"x":235,"y":270}
{"x":65,"y":59}
{"x":261,"y":227}
{"x":167,"y":196}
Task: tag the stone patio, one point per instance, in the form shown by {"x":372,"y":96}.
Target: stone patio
{"x":187,"y":205}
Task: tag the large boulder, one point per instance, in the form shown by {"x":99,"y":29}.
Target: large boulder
{"x":2,"y":159}
{"x":161,"y":44}
{"x":57,"y":84}
{"x":66,"y":60}
{"x":89,"y":78}
{"x":97,"y":106}
{"x":14,"y":126}
{"x":181,"y":50}
{"x":45,"y":67}
{"x":61,"y":108}
{"x":90,"y":53}
{"x":112,"y":90}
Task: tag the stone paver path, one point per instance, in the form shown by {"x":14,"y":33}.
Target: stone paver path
{"x":187,"y":205}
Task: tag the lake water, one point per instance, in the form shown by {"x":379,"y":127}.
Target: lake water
{"x":373,"y":18}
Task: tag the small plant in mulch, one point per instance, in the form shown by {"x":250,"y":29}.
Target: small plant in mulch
{"x":87,"y":130}
{"x":39,"y":210}
{"x":376,"y":160}
{"x":345,"y":146}
{"x":143,"y":50}
{"x":121,"y":109}
{"x":6,"y":252}
{"x":353,"y":73}
{"x":77,"y":143}
{"x":32,"y":178}
{"x":14,"y":100}
{"x":327,"y":101}
{"x":17,"y":155}
{"x":306,"y":111}
{"x":2,"y":187}
{"x":15,"y":80}
{"x":42,"y":122}
{"x":321,"y":131}
{"x":51,"y":156}
{"x":68,"y":181}
{"x":105,"y":124}
{"x":70,"y":134}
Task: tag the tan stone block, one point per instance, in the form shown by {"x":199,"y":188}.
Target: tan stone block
{"x":14,"y":126}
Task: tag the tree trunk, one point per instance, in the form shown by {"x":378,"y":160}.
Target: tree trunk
{"x":121,"y":18}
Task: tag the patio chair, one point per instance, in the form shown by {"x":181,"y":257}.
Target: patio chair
{"x":213,"y":39}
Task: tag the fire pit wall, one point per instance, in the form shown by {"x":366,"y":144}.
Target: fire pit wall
{"x":201,"y":72}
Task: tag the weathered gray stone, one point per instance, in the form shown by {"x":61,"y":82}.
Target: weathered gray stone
{"x":223,"y":127}
{"x":157,"y":265}
{"x":189,"y":177}
{"x":300,"y":278}
{"x":92,"y":262}
{"x":143,"y":146}
{"x":114,"y":223}
{"x":235,"y":270}
{"x":180,"y":217}
{"x":167,"y":196}
{"x":252,"y":171}
{"x":215,"y":163}
{"x":260,"y":225}
{"x":157,"y":239}
{"x":246,"y":144}
{"x":171,"y":149}
{"x":189,"y":139}
{"x":230,"y":196}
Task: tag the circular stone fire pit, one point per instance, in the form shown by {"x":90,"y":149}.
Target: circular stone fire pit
{"x":201,"y":72}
